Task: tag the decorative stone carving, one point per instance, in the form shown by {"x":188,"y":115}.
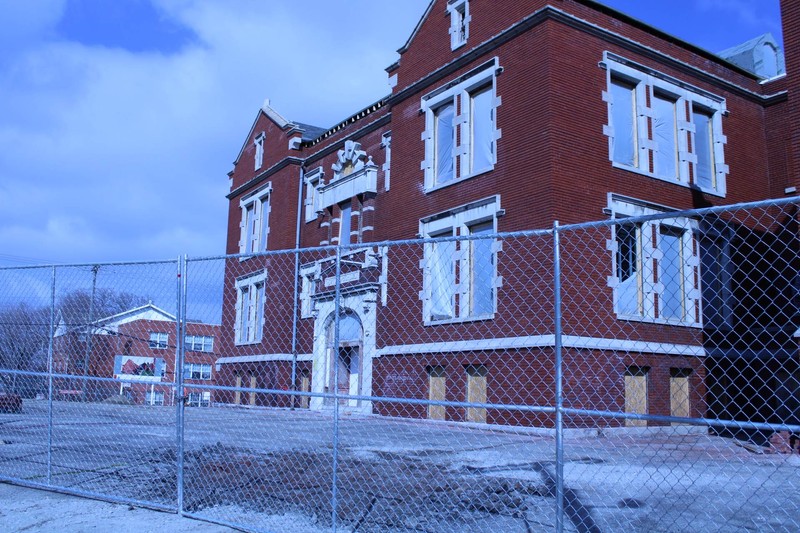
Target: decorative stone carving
{"x":349,"y":160}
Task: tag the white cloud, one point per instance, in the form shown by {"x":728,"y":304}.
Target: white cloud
{"x":114,"y":155}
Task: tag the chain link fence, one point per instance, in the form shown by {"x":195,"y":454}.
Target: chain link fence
{"x":638,"y":373}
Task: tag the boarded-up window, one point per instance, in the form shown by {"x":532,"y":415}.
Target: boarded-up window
{"x":679,"y":404}
{"x":252,"y":386}
{"x":437,"y":388}
{"x":636,"y":393}
{"x":476,"y":392}
{"x":305,"y":386}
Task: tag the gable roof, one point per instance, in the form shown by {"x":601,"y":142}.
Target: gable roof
{"x":403,"y":48}
{"x":307,"y":131}
{"x":105,"y":325}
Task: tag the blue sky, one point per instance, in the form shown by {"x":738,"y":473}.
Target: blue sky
{"x":119,"y":119}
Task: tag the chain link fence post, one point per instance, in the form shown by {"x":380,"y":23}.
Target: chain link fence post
{"x":178,"y":382}
{"x":335,"y":382}
{"x":558,"y":380}
{"x":50,"y":379}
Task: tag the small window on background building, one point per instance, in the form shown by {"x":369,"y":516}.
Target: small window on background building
{"x":159,"y":340}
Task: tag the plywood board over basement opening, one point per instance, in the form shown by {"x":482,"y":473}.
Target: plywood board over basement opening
{"x":679,"y":403}
{"x":476,"y":392}
{"x":437,"y":389}
{"x":636,"y":393}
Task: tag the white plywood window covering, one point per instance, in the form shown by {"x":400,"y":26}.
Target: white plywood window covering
{"x":313,"y":180}
{"x":255,"y":221}
{"x":655,"y":266}
{"x":259,"y":150}
{"x":460,"y":278}
{"x":461,"y":131}
{"x":681,"y":130}
{"x":249,"y":324}
{"x":459,"y":22}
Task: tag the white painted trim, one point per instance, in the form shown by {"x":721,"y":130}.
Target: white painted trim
{"x":544,"y":341}
{"x":263,"y":358}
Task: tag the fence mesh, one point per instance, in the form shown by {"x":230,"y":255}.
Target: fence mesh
{"x":637,"y":373}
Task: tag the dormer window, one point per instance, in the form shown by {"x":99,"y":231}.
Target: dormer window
{"x":259,"y":155}
{"x":459,"y":22}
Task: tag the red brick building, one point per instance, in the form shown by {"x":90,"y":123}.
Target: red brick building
{"x":503,"y":120}
{"x":138,"y":347}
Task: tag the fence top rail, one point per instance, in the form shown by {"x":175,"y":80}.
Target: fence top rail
{"x":50,"y":266}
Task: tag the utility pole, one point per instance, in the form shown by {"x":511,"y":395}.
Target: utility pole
{"x":90,"y":332}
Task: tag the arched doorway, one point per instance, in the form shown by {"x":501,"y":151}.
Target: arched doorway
{"x":345,"y":361}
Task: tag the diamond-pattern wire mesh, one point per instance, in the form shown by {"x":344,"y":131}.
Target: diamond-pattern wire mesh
{"x":83,"y":427}
{"x":429,"y":405}
{"x":681,"y":328}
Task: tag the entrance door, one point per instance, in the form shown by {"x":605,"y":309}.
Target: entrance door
{"x":237,"y":396}
{"x":348,"y":373}
{"x":345,"y":361}
{"x":476,"y":392}
{"x":437,"y":387}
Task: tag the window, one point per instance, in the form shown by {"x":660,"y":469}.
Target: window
{"x":199,"y":343}
{"x":159,"y":340}
{"x":199,"y":399}
{"x":309,"y":275}
{"x":250,"y":309}
{"x":386,"y":144}
{"x":196,"y":371}
{"x":460,"y":276}
{"x":656,"y":266}
{"x":259,"y":155}
{"x":255,"y":221}
{"x":459,"y":22}
{"x":663,"y":127}
{"x":154,"y":397}
{"x":636,"y":394}
{"x":461,"y":128}
{"x":313,"y":181}
{"x":345,"y":217}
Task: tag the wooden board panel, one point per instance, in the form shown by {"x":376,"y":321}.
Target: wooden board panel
{"x":476,"y":392}
{"x":305,"y":386}
{"x":679,"y":392}
{"x":252,"y":386}
{"x":238,"y":394}
{"x":437,"y":390}
{"x":636,"y":394}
